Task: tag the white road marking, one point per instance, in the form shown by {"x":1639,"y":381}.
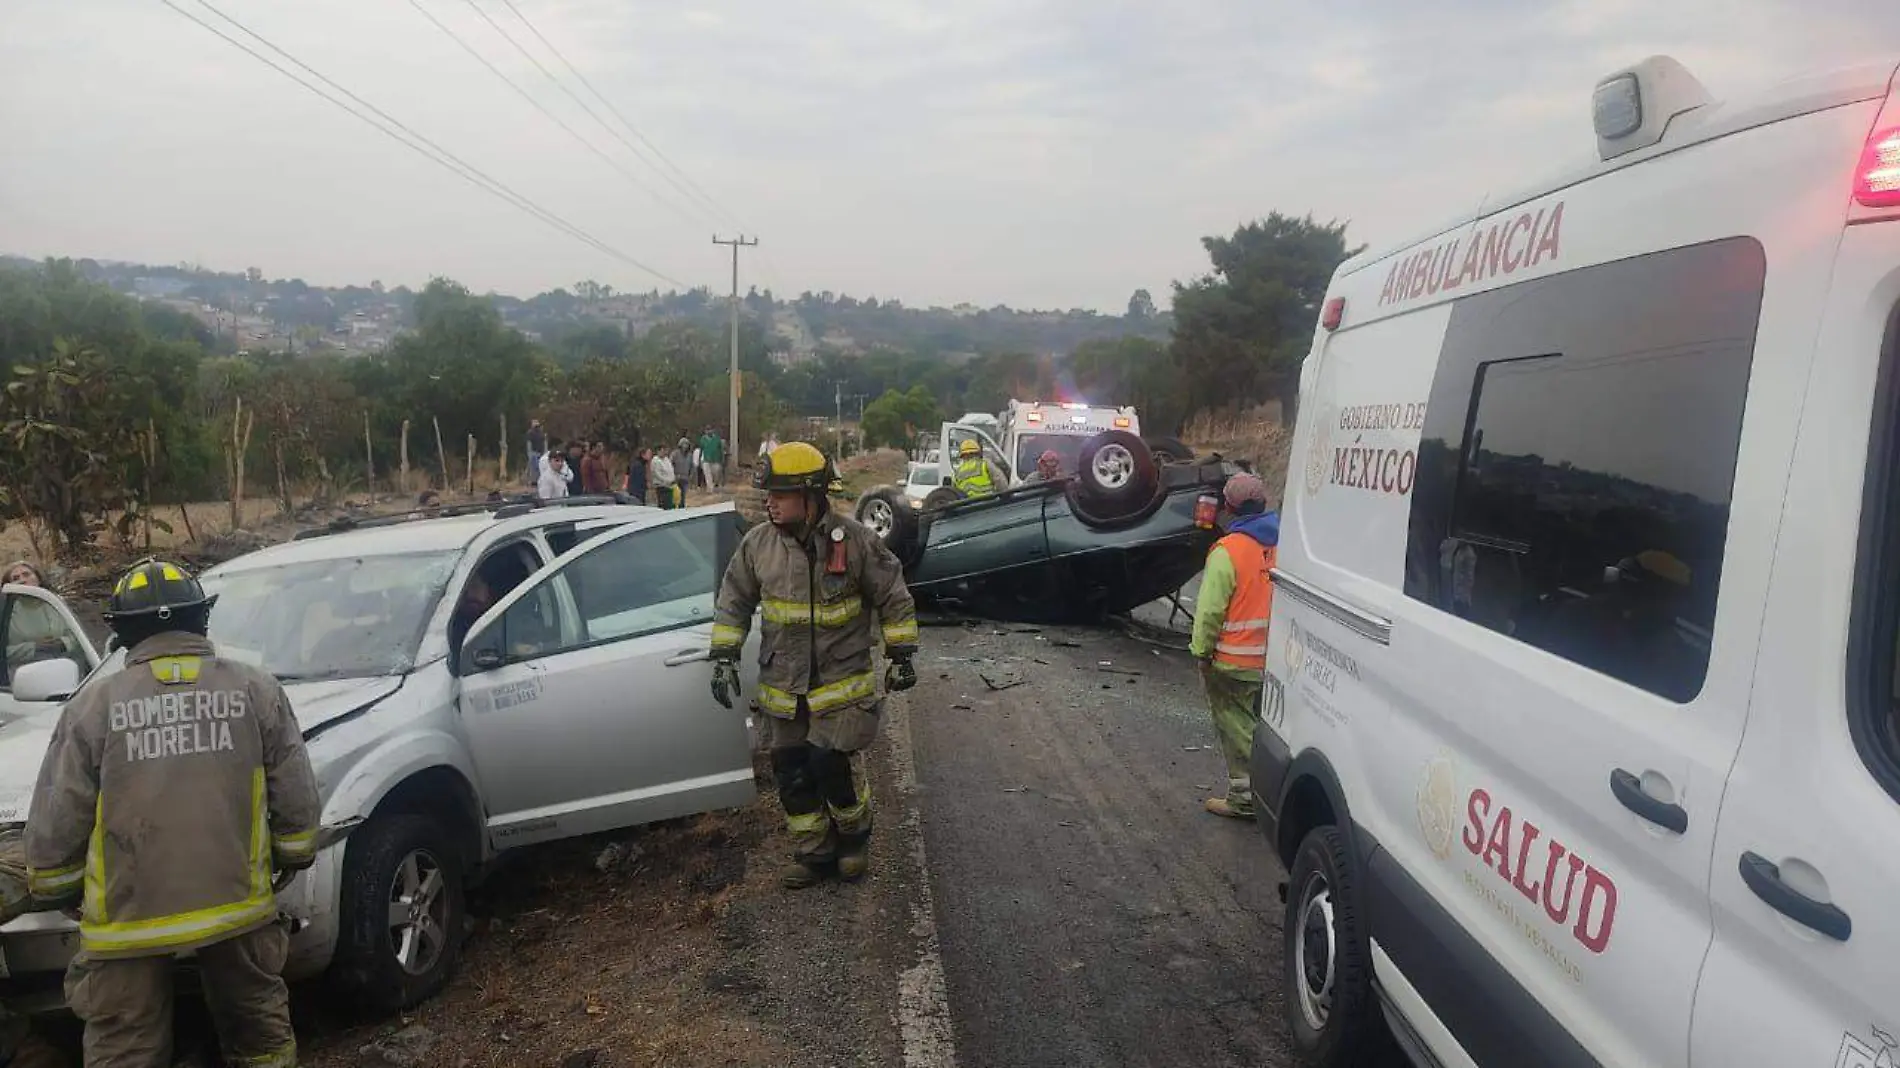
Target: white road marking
{"x":923,"y":1004}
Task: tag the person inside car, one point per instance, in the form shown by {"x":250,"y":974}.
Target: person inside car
{"x":477,"y":597}
{"x":34,"y":629}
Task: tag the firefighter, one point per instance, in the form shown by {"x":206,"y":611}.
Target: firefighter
{"x":169,"y":794}
{"x":974,"y":475}
{"x":816,"y":578}
{"x":1230,"y":633}
{"x":1048,"y":467}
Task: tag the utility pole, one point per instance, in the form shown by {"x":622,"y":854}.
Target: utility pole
{"x":837,"y":424}
{"x":732,"y":410}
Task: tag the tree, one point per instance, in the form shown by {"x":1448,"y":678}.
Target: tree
{"x":1241,"y":331}
{"x":1141,"y":306}
{"x":462,"y":364}
{"x":895,"y":419}
{"x":1132,"y":370}
{"x":68,"y":454}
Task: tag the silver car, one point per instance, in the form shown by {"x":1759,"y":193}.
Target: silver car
{"x":466,"y":685}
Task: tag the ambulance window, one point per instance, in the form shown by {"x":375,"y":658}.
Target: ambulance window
{"x":1874,"y":649}
{"x":1579,"y":455}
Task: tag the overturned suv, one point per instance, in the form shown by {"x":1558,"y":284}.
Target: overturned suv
{"x":1124,"y":530}
{"x":465,"y":683}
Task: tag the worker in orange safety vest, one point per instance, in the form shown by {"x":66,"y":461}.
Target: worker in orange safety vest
{"x":1230,"y":633}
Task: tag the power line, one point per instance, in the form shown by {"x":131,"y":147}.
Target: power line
{"x":562,"y":86}
{"x":542,"y":108}
{"x":631,"y":128}
{"x":434,"y":153}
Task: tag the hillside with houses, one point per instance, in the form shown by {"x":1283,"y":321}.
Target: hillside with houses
{"x":248,"y":312}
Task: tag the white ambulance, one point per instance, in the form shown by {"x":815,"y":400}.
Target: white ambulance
{"x":1581,"y":739}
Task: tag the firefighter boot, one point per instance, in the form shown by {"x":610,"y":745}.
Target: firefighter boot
{"x":853,"y":858}
{"x":802,"y":873}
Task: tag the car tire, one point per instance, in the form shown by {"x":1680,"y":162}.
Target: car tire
{"x":1115,"y":475}
{"x":889,"y":515}
{"x":392,"y":858}
{"x":1332,"y":1012}
{"x":1084,"y":508}
{"x":1169,"y":450}
{"x":941,"y":497}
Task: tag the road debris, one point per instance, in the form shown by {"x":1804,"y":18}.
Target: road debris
{"x":617,"y":855}
{"x":1064,"y":643}
{"x":1001,"y":680}
{"x":1113,"y":670}
{"x":407,"y":1048}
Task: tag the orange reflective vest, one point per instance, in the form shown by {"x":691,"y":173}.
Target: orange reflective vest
{"x":1243,"y":634}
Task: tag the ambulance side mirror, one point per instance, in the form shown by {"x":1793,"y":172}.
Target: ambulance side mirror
{"x":46,"y":680}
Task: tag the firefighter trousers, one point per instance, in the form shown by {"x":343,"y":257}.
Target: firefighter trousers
{"x":126,"y":1003}
{"x":818,"y":766}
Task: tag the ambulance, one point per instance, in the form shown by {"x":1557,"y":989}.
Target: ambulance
{"x":1028,"y":428}
{"x":1581,"y":721}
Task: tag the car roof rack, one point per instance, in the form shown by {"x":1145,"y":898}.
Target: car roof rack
{"x":506,"y":508}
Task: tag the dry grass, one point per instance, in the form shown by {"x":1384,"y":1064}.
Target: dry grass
{"x":1255,"y":437}
{"x":875,"y":468}
{"x":207,"y":517}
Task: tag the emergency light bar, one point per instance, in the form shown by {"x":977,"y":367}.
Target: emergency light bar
{"x":1632,"y":108}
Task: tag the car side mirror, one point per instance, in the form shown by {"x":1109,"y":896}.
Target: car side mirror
{"x":486,"y":659}
{"x":46,"y":680}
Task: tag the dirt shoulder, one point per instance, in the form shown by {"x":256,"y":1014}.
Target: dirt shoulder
{"x":685,"y":952}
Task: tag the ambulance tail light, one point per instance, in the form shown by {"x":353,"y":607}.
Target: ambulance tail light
{"x":1334,"y":313}
{"x":1121,"y":422}
{"x":1877,"y":179}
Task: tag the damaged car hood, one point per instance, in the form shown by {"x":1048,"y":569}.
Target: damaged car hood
{"x":24,"y":735}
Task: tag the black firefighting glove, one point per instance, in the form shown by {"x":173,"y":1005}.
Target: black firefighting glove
{"x":725,"y":679}
{"x":901,"y":675}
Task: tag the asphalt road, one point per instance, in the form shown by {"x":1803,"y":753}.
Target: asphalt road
{"x":1089,"y":912}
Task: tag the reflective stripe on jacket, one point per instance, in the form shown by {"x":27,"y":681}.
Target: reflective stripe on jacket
{"x":974,"y":477}
{"x":816,"y":628}
{"x":168,"y":793}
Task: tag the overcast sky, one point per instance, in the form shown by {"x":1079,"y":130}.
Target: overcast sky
{"x":1039,"y":153}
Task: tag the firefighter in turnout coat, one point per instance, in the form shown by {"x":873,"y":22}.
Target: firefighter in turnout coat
{"x":826,"y":590}
{"x":169,"y":794}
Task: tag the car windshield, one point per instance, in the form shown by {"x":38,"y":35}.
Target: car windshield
{"x":351,"y":617}
{"x":924,"y":475}
{"x":1031,"y":446}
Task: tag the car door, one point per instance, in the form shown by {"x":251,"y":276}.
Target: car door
{"x":1805,"y":966}
{"x":955,"y":434}
{"x":35,"y":625}
{"x":586,"y":692}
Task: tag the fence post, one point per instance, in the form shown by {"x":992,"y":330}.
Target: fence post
{"x":470,"y":467}
{"x":501,"y":460}
{"x":404,"y":488}
{"x":369,"y":460}
{"x":441,"y":454}
{"x":242,"y":423}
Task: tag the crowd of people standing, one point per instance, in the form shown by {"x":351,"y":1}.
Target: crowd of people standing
{"x":661,"y":477}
